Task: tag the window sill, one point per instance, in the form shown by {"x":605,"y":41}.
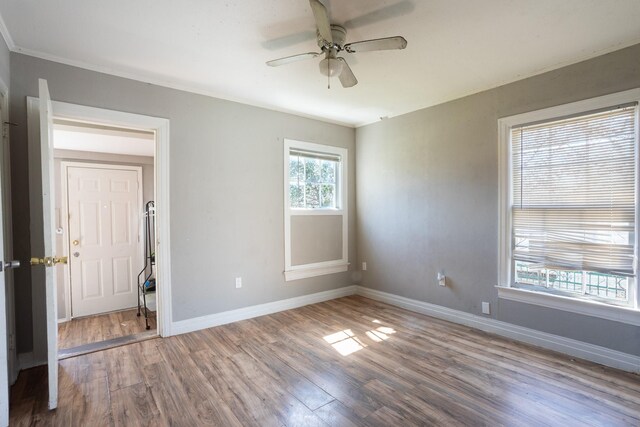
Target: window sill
{"x":588,"y":308}
{"x":317,"y":211}
{"x":312,"y":270}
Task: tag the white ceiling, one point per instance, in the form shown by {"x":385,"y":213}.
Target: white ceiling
{"x":101,"y":139}
{"x":455,"y":47}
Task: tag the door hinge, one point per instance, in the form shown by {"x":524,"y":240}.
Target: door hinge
{"x":5,"y":128}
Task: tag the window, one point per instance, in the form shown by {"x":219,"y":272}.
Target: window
{"x":312,"y":180}
{"x":315,"y":209}
{"x":569,"y":214}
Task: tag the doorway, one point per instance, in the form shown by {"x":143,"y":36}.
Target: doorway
{"x":103,"y":180}
{"x":45,"y":260}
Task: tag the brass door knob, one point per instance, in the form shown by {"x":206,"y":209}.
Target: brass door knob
{"x":76,"y":242}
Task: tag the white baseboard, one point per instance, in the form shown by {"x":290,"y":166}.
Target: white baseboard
{"x":209,"y":321}
{"x":575,"y":348}
{"x":27,"y":360}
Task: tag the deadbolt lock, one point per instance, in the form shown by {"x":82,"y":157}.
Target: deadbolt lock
{"x":49,"y":261}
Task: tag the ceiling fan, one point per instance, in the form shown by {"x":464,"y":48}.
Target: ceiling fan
{"x":331,"y":40}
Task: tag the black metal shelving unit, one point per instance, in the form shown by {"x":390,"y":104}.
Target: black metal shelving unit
{"x":147,"y":284}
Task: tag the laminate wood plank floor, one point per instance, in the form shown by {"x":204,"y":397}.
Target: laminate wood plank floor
{"x":345,"y":362}
{"x":101,"y":327}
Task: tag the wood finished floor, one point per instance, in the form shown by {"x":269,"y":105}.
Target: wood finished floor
{"x":286,"y":369}
{"x":86,"y":330}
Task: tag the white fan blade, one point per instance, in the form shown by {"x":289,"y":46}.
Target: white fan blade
{"x":293,"y":58}
{"x":387,"y":43}
{"x":347,"y":78}
{"x":322,"y":20}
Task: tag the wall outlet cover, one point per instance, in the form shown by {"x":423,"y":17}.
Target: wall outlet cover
{"x":238,"y":282}
{"x":364,"y":266}
{"x":486,"y":308}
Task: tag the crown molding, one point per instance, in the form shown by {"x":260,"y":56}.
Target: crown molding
{"x":5,"y":35}
{"x":145,"y":78}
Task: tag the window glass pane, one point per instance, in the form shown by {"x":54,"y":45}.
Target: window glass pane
{"x":328,"y":196}
{"x":296,"y":169}
{"x":590,"y":283}
{"x":328,"y":172}
{"x":312,"y":195}
{"x":296,"y":195}
{"x":312,"y":170}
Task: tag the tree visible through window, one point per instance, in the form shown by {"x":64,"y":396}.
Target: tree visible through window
{"x":313,"y":180}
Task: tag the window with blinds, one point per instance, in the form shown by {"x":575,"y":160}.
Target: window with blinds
{"x":574,"y":203}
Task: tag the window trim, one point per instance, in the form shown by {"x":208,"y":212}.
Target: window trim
{"x":626,"y":314}
{"x":295,"y":272}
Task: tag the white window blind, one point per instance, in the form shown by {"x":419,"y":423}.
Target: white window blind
{"x":574,"y":192}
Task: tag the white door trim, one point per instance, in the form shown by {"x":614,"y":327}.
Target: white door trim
{"x":64,"y":218}
{"x":160,"y":127}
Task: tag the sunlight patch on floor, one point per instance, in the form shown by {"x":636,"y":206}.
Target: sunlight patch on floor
{"x":346,"y":342}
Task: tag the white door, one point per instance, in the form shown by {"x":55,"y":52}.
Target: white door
{"x":104,"y":212}
{"x":4,"y":359}
{"x":4,"y":283}
{"x":48,"y":193}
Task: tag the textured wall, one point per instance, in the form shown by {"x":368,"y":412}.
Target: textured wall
{"x":315,"y":238}
{"x":428,"y":197}
{"x":227,"y":215}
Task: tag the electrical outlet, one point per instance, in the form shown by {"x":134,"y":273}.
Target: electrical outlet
{"x":442,"y":279}
{"x":238,"y":282}
{"x":364,"y":266}
{"x":486,"y":308}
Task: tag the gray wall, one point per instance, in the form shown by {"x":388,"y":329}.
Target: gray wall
{"x":4,"y":62}
{"x":227,"y":210}
{"x":87,"y":157}
{"x":315,"y":238}
{"x":428,"y":197}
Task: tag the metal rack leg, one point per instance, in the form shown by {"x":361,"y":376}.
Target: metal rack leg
{"x":146,"y":311}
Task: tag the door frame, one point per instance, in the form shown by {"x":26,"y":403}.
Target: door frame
{"x":160,"y":126}
{"x":64,"y":218}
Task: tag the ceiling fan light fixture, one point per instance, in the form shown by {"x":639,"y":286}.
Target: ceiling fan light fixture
{"x":331,"y":67}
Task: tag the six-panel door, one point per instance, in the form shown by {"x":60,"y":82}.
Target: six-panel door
{"x":104,"y":243}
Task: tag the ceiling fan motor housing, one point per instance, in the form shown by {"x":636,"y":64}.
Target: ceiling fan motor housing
{"x":339,"y":35}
